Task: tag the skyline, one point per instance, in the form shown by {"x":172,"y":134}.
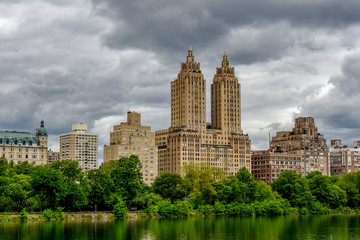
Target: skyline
{"x":92,"y":61}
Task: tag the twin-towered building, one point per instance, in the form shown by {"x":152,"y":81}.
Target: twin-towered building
{"x":190,"y":139}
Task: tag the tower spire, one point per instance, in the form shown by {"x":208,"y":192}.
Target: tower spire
{"x":190,"y":57}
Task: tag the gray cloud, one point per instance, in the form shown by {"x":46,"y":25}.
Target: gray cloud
{"x":92,"y":61}
{"x":337,"y":108}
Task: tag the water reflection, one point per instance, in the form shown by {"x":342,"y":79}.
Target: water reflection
{"x":258,"y":228}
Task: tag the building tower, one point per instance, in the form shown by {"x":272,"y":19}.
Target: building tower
{"x":225,"y":100}
{"x":42,"y":135}
{"x":188,"y":141}
{"x":304,"y":140}
{"x":188,"y":97}
{"x":130,"y":138}
{"x":80,"y":146}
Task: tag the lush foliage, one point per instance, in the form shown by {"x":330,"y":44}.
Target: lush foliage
{"x":120,"y":209}
{"x":117,"y":186}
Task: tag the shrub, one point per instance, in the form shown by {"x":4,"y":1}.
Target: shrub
{"x":59,"y":214}
{"x":219,"y":209}
{"x":304,"y":211}
{"x":204,"y":209}
{"x":23,"y":214}
{"x":236,"y":209}
{"x":152,"y":210}
{"x":319,"y":208}
{"x":342,"y":209}
{"x":166,"y":209}
{"x":182,"y":208}
{"x":120,"y":209}
{"x":5,"y":218}
{"x":47,"y":213}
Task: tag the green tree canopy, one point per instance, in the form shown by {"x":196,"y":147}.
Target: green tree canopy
{"x":294,"y":188}
{"x":75,"y":183}
{"x":350,"y":183}
{"x":325,"y":192}
{"x":47,"y":186}
{"x":101,"y":184}
{"x":199,"y":178}
{"x":127,"y":177}
{"x":169,"y":185}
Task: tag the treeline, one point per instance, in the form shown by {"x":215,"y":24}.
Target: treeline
{"x":117,"y":186}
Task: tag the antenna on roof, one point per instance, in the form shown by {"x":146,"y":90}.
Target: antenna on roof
{"x":190,"y":49}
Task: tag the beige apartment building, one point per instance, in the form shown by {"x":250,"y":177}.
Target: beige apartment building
{"x":52,"y":156}
{"x":344,"y":159}
{"x":80,"y":146}
{"x":24,"y":146}
{"x":190,"y":140}
{"x":267,"y":165}
{"x":304,"y":140}
{"x":130,"y":138}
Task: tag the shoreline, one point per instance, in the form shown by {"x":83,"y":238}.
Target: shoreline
{"x":71,"y":216}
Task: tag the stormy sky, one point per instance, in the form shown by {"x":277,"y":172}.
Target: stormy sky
{"x":72,"y":61}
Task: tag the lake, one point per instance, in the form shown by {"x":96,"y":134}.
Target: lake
{"x":214,"y":228}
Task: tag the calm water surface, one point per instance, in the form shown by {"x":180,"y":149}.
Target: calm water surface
{"x":262,"y":228}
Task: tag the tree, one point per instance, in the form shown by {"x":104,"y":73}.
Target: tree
{"x":322,"y":188}
{"x":3,"y":166}
{"x":169,"y":185}
{"x":350,"y":183}
{"x":18,"y":190}
{"x":265,"y":192}
{"x":108,"y":166}
{"x":294,"y":188}
{"x":76,"y":184}
{"x":127,"y":177}
{"x":47,"y":186}
{"x":199,"y":178}
{"x":102,"y":186}
{"x":313,"y":174}
{"x":70,"y":169}
{"x":249,"y":184}
{"x":24,"y":167}
{"x":146,"y":200}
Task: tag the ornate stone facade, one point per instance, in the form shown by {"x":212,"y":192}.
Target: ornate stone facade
{"x":189,"y":140}
{"x":304,"y":140}
{"x":23,"y":146}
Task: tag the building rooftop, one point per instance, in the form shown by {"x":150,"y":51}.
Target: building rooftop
{"x":13,"y":136}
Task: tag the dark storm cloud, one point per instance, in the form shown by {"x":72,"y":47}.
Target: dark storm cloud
{"x":337,"y":110}
{"x":92,"y":61}
{"x":170,"y":25}
{"x":327,"y":13}
{"x":165,"y":25}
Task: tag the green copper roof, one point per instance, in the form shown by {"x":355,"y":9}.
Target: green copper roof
{"x":15,"y":134}
{"x":12,"y":136}
{"x":42,"y":132}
